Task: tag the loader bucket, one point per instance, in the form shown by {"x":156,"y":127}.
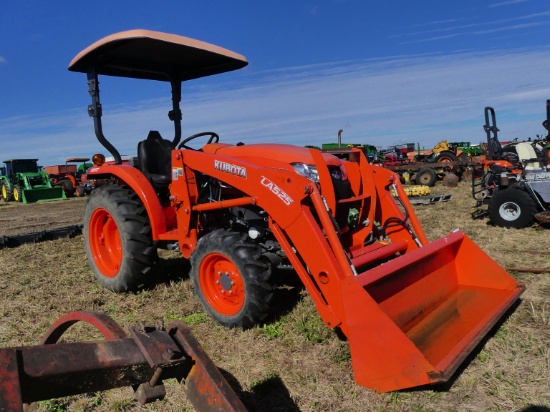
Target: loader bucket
{"x":43,"y":194}
{"x":423,"y":313}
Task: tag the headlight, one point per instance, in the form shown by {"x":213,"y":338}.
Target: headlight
{"x":308,"y":171}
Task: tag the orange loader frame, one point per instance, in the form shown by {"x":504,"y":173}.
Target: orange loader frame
{"x":410,"y":321}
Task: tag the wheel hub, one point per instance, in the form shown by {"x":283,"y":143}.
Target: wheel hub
{"x":222,"y":284}
{"x":510,"y":211}
{"x":226,"y":281}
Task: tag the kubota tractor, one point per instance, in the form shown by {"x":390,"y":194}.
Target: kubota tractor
{"x":514,"y":181}
{"x":23,"y":181}
{"x":411,"y":310}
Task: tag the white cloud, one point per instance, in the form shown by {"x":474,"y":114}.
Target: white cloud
{"x":2,"y":59}
{"x":506,"y":3}
{"x":473,"y":29}
{"x":380,"y":101}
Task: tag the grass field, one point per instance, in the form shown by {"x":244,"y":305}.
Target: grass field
{"x":292,"y":362}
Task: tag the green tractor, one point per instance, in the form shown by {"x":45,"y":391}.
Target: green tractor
{"x":23,"y":181}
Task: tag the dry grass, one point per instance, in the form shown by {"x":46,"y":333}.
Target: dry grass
{"x":292,"y":362}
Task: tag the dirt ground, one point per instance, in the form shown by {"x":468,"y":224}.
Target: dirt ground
{"x":292,"y":362}
{"x":18,"y":218}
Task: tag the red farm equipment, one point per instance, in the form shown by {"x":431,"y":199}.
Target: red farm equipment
{"x":411,"y":310}
{"x":71,"y":176}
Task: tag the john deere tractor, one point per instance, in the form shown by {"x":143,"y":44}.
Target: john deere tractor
{"x":23,"y":181}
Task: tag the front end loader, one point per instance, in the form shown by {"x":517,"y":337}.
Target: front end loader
{"x":411,"y":310}
{"x":23,"y":181}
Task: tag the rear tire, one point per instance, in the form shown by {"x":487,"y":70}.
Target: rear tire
{"x":118,"y":239}
{"x":447,"y":156}
{"x":80,"y":191}
{"x":230,"y":279}
{"x":68,"y":187}
{"x":426,"y":177}
{"x":512,"y":207}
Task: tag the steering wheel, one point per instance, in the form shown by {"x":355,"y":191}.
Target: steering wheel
{"x":214,"y":138}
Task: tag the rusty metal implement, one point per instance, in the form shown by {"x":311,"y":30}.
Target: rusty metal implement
{"x":144,"y":360}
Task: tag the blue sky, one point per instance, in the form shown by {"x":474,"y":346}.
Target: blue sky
{"x":386,"y":72}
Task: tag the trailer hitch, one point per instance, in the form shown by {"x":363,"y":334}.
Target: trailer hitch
{"x":144,"y":360}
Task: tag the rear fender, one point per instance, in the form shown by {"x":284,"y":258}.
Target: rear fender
{"x":141,"y":186}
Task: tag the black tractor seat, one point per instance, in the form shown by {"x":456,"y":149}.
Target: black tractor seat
{"x":155,"y":157}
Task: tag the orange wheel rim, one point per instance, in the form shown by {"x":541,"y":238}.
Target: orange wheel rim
{"x":221,"y":284}
{"x":446,"y":159}
{"x":105,"y":243}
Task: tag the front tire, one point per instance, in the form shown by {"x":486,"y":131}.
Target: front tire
{"x":426,"y":177}
{"x":512,"y":207}
{"x":17,"y":193}
{"x":118,"y":239}
{"x":230,"y":279}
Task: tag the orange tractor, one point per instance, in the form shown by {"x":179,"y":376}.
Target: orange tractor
{"x":411,"y":310}
{"x":70,"y":176}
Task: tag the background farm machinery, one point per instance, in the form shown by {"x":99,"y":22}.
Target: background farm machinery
{"x":445,"y":161}
{"x":514,"y":182}
{"x":23,"y":181}
{"x":426,"y":167}
{"x":71,"y":176}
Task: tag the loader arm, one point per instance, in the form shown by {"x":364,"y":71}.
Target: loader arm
{"x":287,"y":198}
{"x":295,"y":207}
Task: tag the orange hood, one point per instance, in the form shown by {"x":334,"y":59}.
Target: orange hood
{"x":263,"y":153}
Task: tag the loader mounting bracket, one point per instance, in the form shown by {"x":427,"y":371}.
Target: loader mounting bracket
{"x":142,"y":361}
